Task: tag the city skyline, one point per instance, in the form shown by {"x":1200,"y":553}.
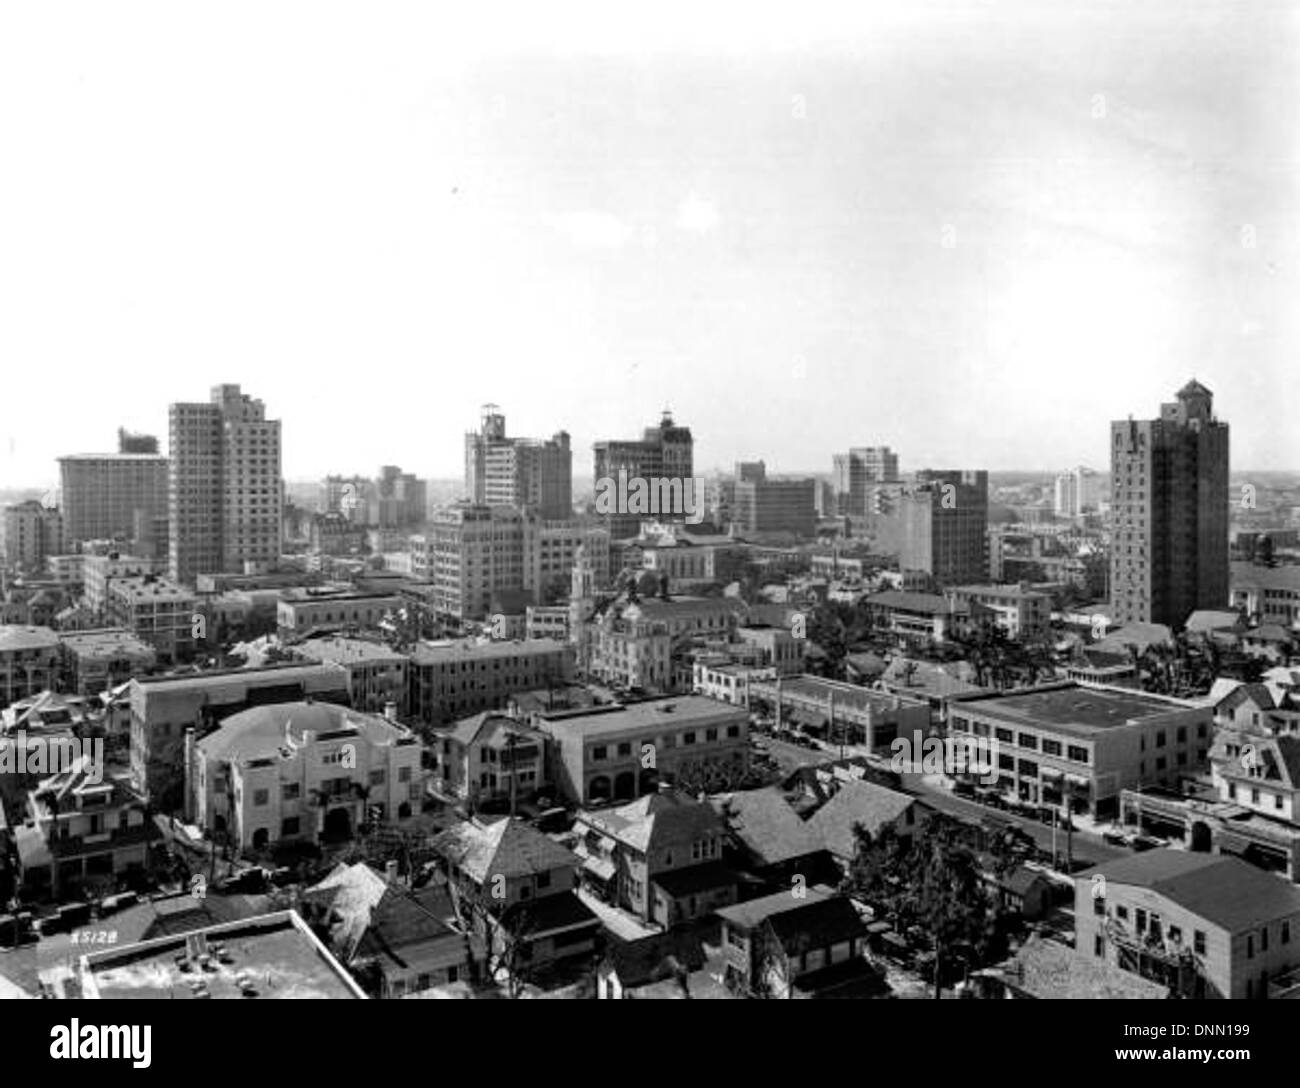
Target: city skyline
{"x":929,"y":218}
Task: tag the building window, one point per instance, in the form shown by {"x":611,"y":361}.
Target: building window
{"x":1077,"y":754}
{"x":1286,"y":932}
{"x":543,"y":880}
{"x":688,"y":738}
{"x":599,"y":752}
{"x":1099,"y":906}
{"x":261,"y":797}
{"x":1098,"y":945}
{"x":1198,"y":942}
{"x":291,"y":791}
{"x":1250,"y":946}
{"x":1140,"y":921}
{"x":403,"y":774}
{"x":1028,"y":740}
{"x":1263,"y":939}
{"x":733,"y":730}
{"x":1004,"y":735}
{"x":625,"y":749}
{"x":289,"y":825}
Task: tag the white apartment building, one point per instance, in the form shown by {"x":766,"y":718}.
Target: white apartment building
{"x":300,"y":771}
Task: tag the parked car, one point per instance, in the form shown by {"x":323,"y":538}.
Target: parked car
{"x":1115,"y":838}
{"x":1146,"y":842}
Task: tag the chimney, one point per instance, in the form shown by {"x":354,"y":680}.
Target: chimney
{"x":390,"y":872}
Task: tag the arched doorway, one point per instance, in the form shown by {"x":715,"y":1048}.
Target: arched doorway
{"x":338,"y":825}
{"x":599,"y":788}
{"x":649,"y":781}
{"x":1200,"y":842}
{"x":625,"y":786}
{"x":260,"y":838}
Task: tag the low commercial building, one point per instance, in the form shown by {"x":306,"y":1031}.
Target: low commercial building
{"x":94,"y":661}
{"x":455,"y":679}
{"x":300,"y":771}
{"x":1206,"y":926}
{"x":377,"y":674}
{"x":98,"y":572}
{"x":302,"y":610}
{"x":1066,"y":744}
{"x":269,"y":956}
{"x":1267,"y":594}
{"x":727,"y":682}
{"x":842,"y":712}
{"x":29,"y":661}
{"x":160,"y":612}
{"x":619,"y":752}
{"x":1021,"y":612}
{"x":926,"y":617}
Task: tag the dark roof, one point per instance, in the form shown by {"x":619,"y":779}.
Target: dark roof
{"x":651,"y":959}
{"x":768,"y":827}
{"x":1194,"y":388}
{"x":851,"y":978}
{"x":1224,"y":890}
{"x":815,"y":924}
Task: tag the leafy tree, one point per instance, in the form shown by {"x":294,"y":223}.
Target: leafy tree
{"x":934,"y":883}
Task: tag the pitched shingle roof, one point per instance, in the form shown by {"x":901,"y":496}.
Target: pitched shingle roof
{"x":857,"y":802}
{"x":768,"y":827}
{"x":1224,"y":890}
{"x":507,"y":847}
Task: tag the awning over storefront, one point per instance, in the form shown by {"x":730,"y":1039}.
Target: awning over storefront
{"x":1078,"y":781}
{"x":1050,"y":774}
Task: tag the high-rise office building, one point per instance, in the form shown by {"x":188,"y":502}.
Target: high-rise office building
{"x":765,"y":505}
{"x":1169,"y":512}
{"x":224,"y":491}
{"x":938,"y":525}
{"x":481,"y":559}
{"x":662,"y":452}
{"x":529,"y":473}
{"x":853,"y":475}
{"x":104,"y":496}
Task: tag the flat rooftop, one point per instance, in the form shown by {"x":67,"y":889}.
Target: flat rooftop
{"x":276,"y":954}
{"x":670,"y":713}
{"x":435,"y":652}
{"x":846,"y":695}
{"x":19,"y":637}
{"x":1070,"y":708}
{"x":348,"y":649}
{"x":280,"y":671}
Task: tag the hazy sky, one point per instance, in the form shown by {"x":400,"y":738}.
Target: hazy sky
{"x":975,"y":232}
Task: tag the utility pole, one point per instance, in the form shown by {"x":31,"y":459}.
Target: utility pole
{"x":511,"y":740}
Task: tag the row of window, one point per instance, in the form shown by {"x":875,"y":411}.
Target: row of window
{"x":623,"y":749}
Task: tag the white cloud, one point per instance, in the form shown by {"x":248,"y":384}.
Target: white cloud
{"x":697,"y":215}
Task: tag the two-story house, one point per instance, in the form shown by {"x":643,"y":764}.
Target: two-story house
{"x":514,"y":887}
{"x":393,"y":940}
{"x":491,"y":757}
{"x":79,"y":826}
{"x":659,"y":857}
{"x":788,"y":944}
